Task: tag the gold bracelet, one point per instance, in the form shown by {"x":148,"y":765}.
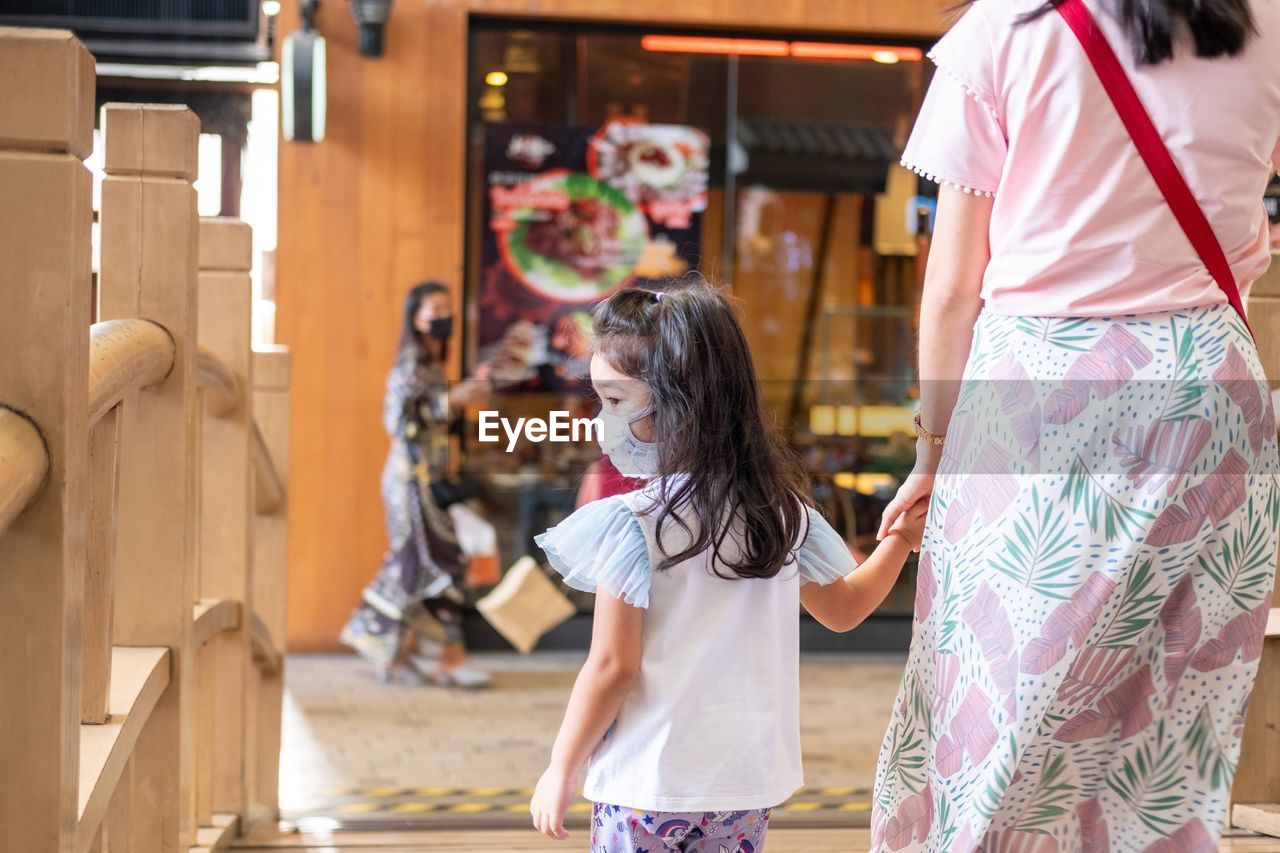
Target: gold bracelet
{"x":926,"y":435}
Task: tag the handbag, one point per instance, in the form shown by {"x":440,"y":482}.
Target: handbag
{"x":1155,"y":154}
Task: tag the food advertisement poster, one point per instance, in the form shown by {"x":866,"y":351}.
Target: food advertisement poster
{"x":572,"y":214}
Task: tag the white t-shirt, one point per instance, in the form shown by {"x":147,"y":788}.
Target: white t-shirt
{"x":712,"y":722}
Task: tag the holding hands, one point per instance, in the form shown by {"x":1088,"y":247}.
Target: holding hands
{"x":916,"y":489}
{"x":909,"y":523}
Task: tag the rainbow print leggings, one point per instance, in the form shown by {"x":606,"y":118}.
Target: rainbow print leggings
{"x":618,"y":829}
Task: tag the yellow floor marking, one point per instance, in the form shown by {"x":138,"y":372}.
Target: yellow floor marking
{"x":410,"y":808}
{"x":518,"y":807}
{"x":837,"y":792}
{"x":358,"y":808}
{"x":485,"y":792}
{"x":470,"y":808}
{"x":855,"y":807}
{"x":434,"y":792}
{"x":801,"y":807}
{"x":385,"y":791}
{"x":579,"y":808}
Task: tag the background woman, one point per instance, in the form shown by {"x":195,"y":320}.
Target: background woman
{"x":1099,"y":557}
{"x":409,"y":622}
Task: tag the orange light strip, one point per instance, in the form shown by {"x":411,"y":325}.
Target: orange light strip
{"x":698,"y":44}
{"x":766,"y":47}
{"x":875,"y":52}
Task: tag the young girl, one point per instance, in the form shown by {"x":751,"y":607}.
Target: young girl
{"x":688,"y":704}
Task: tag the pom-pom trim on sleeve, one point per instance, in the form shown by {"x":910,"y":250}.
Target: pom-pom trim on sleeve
{"x":937,"y":179}
{"x":973,"y":91}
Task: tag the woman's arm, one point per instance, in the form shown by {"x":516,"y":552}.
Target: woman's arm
{"x":598,"y":694}
{"x":843,"y":605}
{"x":958,"y":258}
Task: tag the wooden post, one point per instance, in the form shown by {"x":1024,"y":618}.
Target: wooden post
{"x":1255,"y":796}
{"x":206,"y":746}
{"x":46,"y":131}
{"x":148,"y":270}
{"x":118,"y":819}
{"x":270,"y":579}
{"x":226,"y":504}
{"x":104,"y":484}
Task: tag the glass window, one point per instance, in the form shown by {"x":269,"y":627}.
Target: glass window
{"x":817,"y":239}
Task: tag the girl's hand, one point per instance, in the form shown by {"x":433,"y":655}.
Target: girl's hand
{"x":918,"y":486}
{"x":910,"y":523}
{"x":551,"y":800}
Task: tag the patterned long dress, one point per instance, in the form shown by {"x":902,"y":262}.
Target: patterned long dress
{"x":1094,"y":586}
{"x":414,"y":596}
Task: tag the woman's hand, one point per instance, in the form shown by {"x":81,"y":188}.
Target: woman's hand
{"x":910,"y":523}
{"x":551,"y":798}
{"x":917,"y":487}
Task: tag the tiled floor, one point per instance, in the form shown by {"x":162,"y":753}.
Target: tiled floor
{"x":344,"y":731}
{"x":528,"y":841}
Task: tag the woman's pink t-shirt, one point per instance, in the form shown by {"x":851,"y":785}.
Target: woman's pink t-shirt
{"x":1078,"y":226}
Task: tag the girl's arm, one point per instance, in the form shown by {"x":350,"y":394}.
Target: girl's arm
{"x":597,"y":696}
{"x":949,"y":306}
{"x":843,"y":605}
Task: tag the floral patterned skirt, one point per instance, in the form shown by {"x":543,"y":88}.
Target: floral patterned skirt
{"x":1093,"y":591}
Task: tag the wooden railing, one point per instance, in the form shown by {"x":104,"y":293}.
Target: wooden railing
{"x":143,"y":484}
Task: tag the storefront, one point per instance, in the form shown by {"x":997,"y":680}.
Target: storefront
{"x":756,"y":146}
{"x":602,"y":157}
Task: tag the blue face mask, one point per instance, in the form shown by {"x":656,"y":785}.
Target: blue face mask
{"x":631,"y":456}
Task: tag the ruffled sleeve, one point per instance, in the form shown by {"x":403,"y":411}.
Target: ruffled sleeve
{"x":959,"y":138}
{"x":824,"y":557}
{"x":601,"y":548}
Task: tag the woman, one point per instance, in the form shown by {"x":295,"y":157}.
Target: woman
{"x":409,"y":622}
{"x":1099,"y":558}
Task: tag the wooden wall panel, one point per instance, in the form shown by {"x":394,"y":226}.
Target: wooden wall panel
{"x":377,"y":206}
{"x":898,"y":17}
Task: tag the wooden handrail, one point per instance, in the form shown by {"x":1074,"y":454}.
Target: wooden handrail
{"x":269,"y":491}
{"x":212,"y":616}
{"x":24,"y":462}
{"x":124,"y":356}
{"x":223,"y":391}
{"x":264,"y":648}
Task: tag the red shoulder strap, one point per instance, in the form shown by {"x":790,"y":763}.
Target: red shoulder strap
{"x":1152,"y":149}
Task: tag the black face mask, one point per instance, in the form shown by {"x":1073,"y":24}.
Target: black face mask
{"x":441,"y":328}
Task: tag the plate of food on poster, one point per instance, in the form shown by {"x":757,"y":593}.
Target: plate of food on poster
{"x":572,"y":214}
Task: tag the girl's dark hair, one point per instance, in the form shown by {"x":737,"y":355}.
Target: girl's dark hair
{"x":1219,"y":27}
{"x":682,"y":339}
{"x":411,"y":340}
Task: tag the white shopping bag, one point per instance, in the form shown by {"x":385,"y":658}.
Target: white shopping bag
{"x":478,"y":539}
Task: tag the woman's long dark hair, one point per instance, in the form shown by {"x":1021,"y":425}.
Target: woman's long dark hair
{"x":1219,"y":27}
{"x":411,"y":340}
{"x":682,"y":338}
